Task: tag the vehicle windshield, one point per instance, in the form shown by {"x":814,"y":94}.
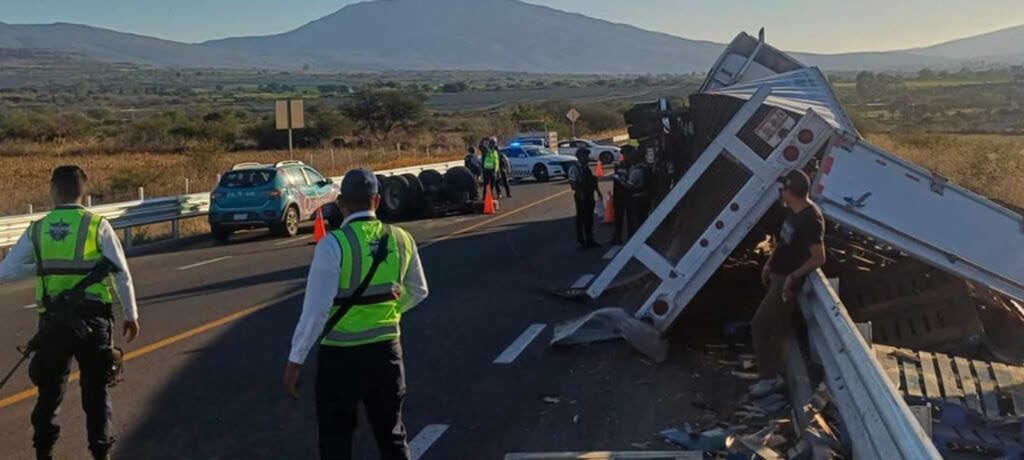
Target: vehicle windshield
{"x":539,"y":152}
{"x":246,"y":178}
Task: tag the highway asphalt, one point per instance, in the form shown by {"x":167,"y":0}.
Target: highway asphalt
{"x":203,"y":381}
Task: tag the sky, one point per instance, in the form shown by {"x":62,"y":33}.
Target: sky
{"x":824,"y":26}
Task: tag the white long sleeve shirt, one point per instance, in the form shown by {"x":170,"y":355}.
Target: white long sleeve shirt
{"x":322,"y":288}
{"x":20,"y":263}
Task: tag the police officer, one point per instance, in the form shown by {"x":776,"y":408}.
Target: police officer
{"x":472,"y":163}
{"x":621,"y":194}
{"x":640,"y":185}
{"x":62,"y":248}
{"x":359,"y":358}
{"x":492,"y":162}
{"x":504,"y":172}
{"x":585,"y":195}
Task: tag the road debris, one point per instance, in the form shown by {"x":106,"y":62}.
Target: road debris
{"x":612,"y":324}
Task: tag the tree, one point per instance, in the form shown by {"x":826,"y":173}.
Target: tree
{"x":380,"y":111}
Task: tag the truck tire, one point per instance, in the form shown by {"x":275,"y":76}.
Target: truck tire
{"x":395,"y":197}
{"x":432,"y":180}
{"x":460,"y":179}
{"x":417,"y":194}
{"x":540,"y":172}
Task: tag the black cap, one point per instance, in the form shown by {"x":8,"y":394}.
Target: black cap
{"x":359,"y":183}
{"x":797,"y":182}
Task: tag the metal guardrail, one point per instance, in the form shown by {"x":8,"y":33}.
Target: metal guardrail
{"x":877,"y":418}
{"x":125,"y":215}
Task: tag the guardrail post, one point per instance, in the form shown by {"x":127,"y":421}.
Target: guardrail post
{"x":88,"y":201}
{"x":128,"y":236}
{"x":30,"y":208}
{"x":175,"y":229}
{"x":186,"y":186}
{"x":142,"y":193}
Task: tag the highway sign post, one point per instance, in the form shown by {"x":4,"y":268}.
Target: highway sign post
{"x":573,"y":115}
{"x":288,"y":115}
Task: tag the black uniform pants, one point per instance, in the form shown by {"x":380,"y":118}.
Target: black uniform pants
{"x":373,"y":374}
{"x":49,"y":371}
{"x":503,"y":181}
{"x":489,"y":181}
{"x":639,"y":208}
{"x":584,"y":217}
{"x":620,"y":204}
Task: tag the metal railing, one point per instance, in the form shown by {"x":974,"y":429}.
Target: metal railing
{"x":129,"y":214}
{"x":878,"y":420}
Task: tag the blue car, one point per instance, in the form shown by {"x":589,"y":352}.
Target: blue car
{"x":277,"y":196}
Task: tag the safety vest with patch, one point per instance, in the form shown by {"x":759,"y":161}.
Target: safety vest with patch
{"x":491,"y":160}
{"x":376,"y":315}
{"x":67,"y":246}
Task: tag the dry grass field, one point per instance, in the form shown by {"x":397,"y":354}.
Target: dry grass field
{"x":117,"y":177}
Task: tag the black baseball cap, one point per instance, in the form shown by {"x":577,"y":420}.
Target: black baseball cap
{"x":797,"y":182}
{"x":359,"y":183}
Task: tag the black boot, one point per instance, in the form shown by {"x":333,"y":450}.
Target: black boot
{"x":44,"y":454}
{"x":103,"y":454}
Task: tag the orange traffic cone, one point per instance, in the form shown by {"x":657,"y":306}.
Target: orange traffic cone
{"x":609,"y":211}
{"x":599,"y":171}
{"x":319,"y":229}
{"x":488,"y":201}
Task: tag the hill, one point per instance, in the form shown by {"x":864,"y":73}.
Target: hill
{"x":1006,"y":45}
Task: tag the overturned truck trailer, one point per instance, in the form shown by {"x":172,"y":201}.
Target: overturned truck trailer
{"x":759,"y":114}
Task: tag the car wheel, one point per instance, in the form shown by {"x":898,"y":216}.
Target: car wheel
{"x":289,"y":225}
{"x":394,"y":199}
{"x":540,"y":172}
{"x":221,"y":234}
{"x":607,"y":158}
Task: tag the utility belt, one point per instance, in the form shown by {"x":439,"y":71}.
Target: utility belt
{"x":368,"y":299}
{"x":87,"y":309}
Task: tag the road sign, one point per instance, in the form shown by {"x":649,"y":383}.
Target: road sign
{"x":573,"y":115}
{"x":288,"y":115}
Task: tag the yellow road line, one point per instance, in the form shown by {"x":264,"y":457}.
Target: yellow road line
{"x":493,"y":219}
{"x":32,"y":392}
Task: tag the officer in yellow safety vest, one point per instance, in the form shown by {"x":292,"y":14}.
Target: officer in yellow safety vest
{"x":492,"y":161}
{"x":362,"y":279}
{"x":61,"y":249}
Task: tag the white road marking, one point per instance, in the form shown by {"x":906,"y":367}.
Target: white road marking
{"x":26,"y":307}
{"x":582,"y":282}
{"x":512,"y":352}
{"x":612,"y":253}
{"x":424,"y":439}
{"x":205,"y":262}
{"x":293,"y":240}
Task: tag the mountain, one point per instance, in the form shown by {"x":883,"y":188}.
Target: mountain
{"x":508,"y":35}
{"x":992,"y":46}
{"x":477,"y":35}
{"x":110,"y":46}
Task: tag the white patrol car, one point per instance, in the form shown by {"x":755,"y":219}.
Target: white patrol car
{"x":605,"y":153}
{"x":537,"y":162}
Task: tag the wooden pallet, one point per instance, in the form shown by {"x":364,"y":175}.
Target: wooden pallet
{"x":992,"y":390}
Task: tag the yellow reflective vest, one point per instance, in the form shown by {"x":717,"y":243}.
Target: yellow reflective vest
{"x":376,"y":316}
{"x":67,"y":247}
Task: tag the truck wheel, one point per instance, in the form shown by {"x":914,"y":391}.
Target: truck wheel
{"x":540,"y":172}
{"x":221,"y":234}
{"x":432,"y":180}
{"x":289,"y":224}
{"x":416,"y":193}
{"x":607,"y":158}
{"x":395,"y":197}
{"x":460,"y":179}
